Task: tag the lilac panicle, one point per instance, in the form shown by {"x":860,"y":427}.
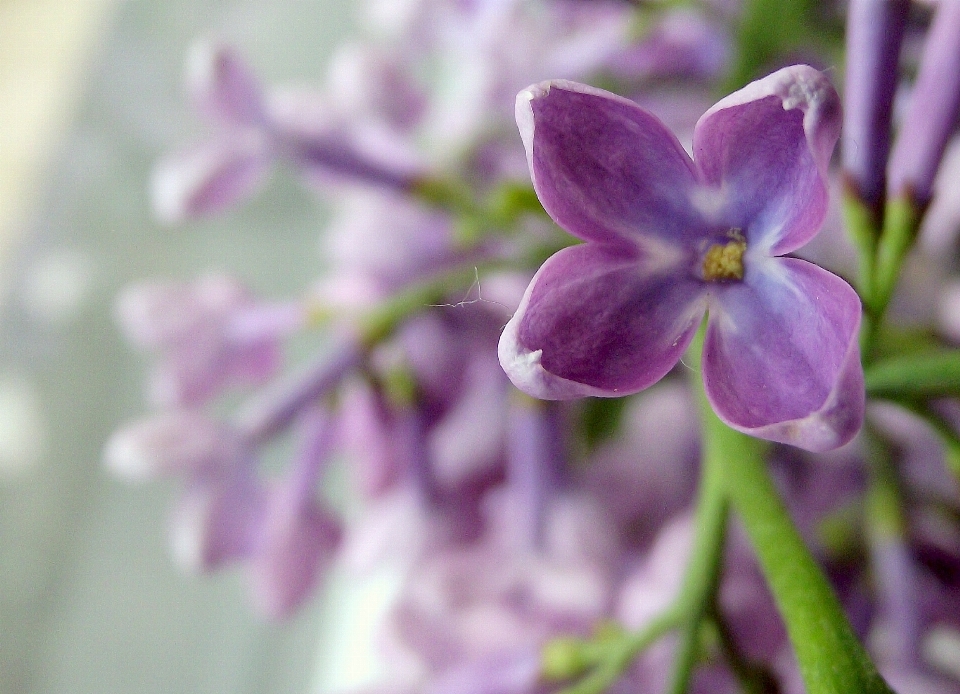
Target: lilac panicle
{"x":255,"y":128}
{"x":875,"y":31}
{"x":670,"y":239}
{"x":932,"y":112}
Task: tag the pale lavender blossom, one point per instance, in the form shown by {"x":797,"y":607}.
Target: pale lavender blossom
{"x":206,"y":335}
{"x":217,"y":514}
{"x":473,"y":615}
{"x":647,"y":473}
{"x":511,"y":672}
{"x":670,"y":239}
{"x":227,"y":511}
{"x":254,"y":128}
{"x":172,"y":443}
{"x":681,"y":44}
{"x":375,"y":438}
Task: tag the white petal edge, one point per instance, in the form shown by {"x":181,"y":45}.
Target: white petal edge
{"x":525,"y":371}
{"x":814,"y":432}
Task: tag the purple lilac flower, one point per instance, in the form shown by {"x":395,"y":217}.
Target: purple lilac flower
{"x":469,"y":603}
{"x":216,"y":516}
{"x":682,"y":44}
{"x":206,"y":335}
{"x":670,"y":239}
{"x":253,"y":129}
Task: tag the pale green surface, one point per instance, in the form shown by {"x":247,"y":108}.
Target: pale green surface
{"x":89,"y":600}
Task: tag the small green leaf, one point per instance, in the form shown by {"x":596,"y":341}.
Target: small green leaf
{"x":917,"y":376}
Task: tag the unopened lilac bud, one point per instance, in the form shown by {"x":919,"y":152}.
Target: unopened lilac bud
{"x":365,"y":430}
{"x":332,"y":156}
{"x":564,"y":658}
{"x":466,"y":444}
{"x":875,"y":31}
{"x":211,"y":177}
{"x":534,"y":442}
{"x":651,"y":589}
{"x":896,"y":585}
{"x":275,"y":409}
{"x":932,"y":112}
{"x":221,"y":84}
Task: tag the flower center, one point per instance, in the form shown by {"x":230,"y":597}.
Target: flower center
{"x":724,"y":261}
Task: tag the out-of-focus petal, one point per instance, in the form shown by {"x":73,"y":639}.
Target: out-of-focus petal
{"x":598,"y":320}
{"x":781,"y":357}
{"x":766,"y":149}
{"x":215,"y":519}
{"x":296,"y":543}
{"x":509,"y":672}
{"x":171,"y":443}
{"x":467,"y":442}
{"x":210,"y":178}
{"x":604,"y":168}
{"x":222,"y":86}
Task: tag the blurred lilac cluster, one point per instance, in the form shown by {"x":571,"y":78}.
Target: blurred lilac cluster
{"x":515,"y":522}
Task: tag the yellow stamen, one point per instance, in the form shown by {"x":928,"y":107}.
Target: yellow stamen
{"x":725,"y":261}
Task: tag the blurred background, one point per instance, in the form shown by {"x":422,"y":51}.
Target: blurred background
{"x":90,"y":95}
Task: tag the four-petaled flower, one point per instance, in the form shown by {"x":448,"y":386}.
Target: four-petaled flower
{"x":670,"y":238}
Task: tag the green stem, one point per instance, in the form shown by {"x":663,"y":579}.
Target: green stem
{"x":831,"y":659}
{"x":380,"y":323}
{"x":703,"y":573}
{"x":929,"y":374}
{"x":617,"y":656}
{"x":901,"y":220}
{"x":862,"y":227}
{"x":884,"y":508}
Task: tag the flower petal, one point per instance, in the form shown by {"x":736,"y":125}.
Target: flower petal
{"x":781,"y":358}
{"x":767,"y":147}
{"x":604,"y":168}
{"x":222,"y":85}
{"x":599,"y":320}
{"x":210,"y":178}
